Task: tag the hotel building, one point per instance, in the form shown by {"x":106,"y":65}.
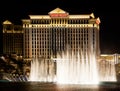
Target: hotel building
{"x":44,"y":36}
{"x":47,"y":35}
{"x":12,"y":38}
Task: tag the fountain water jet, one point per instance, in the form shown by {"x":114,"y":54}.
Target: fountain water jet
{"x":107,"y":71}
{"x":42,"y":70}
{"x":72,"y":67}
{"x":77,"y":68}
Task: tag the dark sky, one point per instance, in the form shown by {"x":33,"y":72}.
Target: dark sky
{"x":15,"y":10}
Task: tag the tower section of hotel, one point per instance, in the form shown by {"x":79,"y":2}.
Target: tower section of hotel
{"x":12,"y":38}
{"x":47,"y":35}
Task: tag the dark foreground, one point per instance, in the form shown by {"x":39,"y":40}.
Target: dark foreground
{"x":37,"y":86}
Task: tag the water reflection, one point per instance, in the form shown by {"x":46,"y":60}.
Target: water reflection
{"x":37,"y":86}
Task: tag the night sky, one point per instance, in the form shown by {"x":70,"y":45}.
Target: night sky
{"x":15,"y":10}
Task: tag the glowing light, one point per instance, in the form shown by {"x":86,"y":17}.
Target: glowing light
{"x":58,"y":15}
{"x":97,"y":21}
{"x":73,"y":68}
{"x":76,"y":69}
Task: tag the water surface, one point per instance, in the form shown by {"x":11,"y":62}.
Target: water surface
{"x":37,"y":86}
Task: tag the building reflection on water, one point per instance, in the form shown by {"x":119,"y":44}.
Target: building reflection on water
{"x":36,"y":86}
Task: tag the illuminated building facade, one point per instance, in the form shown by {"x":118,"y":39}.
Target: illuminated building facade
{"x":110,"y":57}
{"x":12,"y":38}
{"x":46,"y":35}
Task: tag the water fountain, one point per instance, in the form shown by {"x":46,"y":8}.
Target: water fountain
{"x":14,"y":77}
{"x":76,"y":68}
{"x":42,"y":70}
{"x":107,"y":71}
{"x":75,"y":71}
{"x":72,"y":68}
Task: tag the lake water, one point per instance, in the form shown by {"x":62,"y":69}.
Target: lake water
{"x":37,"y":86}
